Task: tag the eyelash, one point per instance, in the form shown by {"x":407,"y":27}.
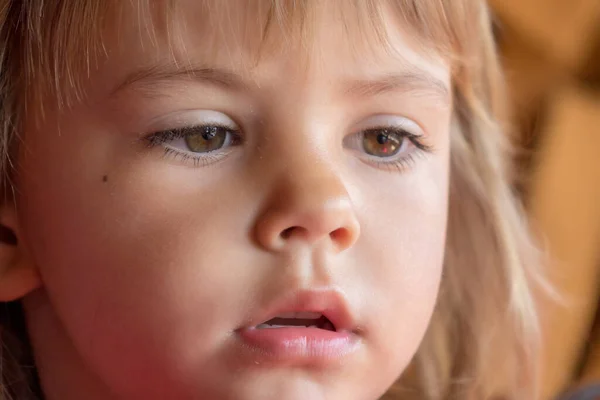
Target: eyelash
{"x":161,"y":138}
{"x":399,"y":164}
{"x":403,"y":163}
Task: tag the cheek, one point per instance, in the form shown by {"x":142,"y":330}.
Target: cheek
{"x":403,"y":231}
{"x":133,"y":264}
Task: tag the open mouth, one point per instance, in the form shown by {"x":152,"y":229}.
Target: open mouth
{"x":299,"y":320}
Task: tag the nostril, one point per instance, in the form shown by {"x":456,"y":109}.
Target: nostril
{"x":297,"y":231}
{"x":287,"y":232}
{"x":340,"y":235}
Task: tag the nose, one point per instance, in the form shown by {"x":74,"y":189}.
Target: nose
{"x":313,"y":209}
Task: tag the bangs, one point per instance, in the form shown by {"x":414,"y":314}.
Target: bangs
{"x":63,"y":41}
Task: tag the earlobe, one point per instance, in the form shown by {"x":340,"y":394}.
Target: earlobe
{"x":18,"y":274}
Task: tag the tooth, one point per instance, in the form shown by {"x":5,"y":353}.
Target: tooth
{"x":287,"y":315}
{"x":308,"y":315}
{"x":267,"y":326}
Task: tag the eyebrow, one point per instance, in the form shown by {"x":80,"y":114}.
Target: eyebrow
{"x":410,"y":80}
{"x":165,"y":73}
{"x":413,"y":80}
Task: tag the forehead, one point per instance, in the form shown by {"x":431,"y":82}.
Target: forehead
{"x":78,"y":41}
{"x":261,"y":40}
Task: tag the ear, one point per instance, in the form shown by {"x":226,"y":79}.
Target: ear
{"x":18,"y":274}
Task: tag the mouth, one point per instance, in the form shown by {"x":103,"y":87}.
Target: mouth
{"x":298,"y":320}
{"x":313,"y":328}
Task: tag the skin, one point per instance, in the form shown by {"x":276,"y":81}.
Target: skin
{"x":148,"y":263}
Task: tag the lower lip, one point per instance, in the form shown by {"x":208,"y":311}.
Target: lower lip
{"x":298,"y":345}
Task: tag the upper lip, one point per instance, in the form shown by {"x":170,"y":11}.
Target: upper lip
{"x":329,"y":302}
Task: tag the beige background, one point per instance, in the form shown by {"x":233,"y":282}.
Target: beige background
{"x":551,"y":54}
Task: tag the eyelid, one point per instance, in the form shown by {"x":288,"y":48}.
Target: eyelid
{"x":390,"y":121}
{"x":188,"y":118}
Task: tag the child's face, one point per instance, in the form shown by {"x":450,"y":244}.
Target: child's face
{"x":302,"y":188}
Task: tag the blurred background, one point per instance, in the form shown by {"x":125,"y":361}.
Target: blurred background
{"x":551,"y":53}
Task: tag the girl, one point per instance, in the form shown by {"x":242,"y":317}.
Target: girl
{"x":259,"y":200}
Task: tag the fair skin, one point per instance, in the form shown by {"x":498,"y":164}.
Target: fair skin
{"x":141,"y":268}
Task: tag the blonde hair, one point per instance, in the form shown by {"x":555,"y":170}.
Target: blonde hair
{"x":481,"y":343}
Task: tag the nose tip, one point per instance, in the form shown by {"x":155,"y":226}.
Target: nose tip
{"x":333,"y":222}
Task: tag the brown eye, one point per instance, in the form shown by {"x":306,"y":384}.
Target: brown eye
{"x":382,"y":142}
{"x":205,"y":139}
